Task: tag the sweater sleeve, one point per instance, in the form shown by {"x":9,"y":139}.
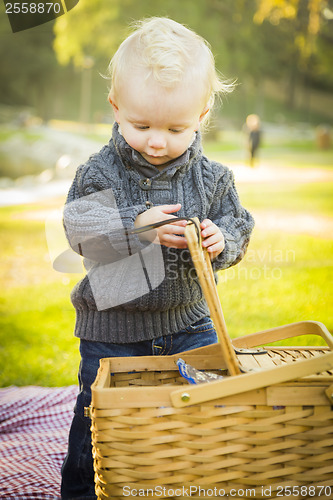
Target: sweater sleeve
{"x":235,"y":222}
{"x":97,"y":226}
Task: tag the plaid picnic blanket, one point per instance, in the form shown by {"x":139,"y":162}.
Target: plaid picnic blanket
{"x":34,"y":425}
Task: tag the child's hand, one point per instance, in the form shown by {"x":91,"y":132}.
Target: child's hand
{"x":212,"y":238}
{"x":168,"y":235}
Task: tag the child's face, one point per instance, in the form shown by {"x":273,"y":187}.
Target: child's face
{"x":157,"y":122}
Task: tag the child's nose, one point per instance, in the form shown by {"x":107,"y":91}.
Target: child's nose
{"x":157,"y":141}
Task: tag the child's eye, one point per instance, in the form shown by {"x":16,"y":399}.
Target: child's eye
{"x":176,"y":130}
{"x":141,"y":127}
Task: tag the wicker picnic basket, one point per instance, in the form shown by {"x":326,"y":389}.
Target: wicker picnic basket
{"x":263,"y":431}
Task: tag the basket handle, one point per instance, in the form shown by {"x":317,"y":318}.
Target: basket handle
{"x":284,"y":332}
{"x":203,"y":266}
{"x":251,"y":381}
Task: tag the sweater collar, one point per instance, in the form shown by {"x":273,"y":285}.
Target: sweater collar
{"x":132,"y":159}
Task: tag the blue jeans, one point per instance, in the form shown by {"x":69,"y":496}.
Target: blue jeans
{"x":77,"y":470}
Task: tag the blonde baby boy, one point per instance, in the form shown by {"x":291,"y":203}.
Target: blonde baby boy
{"x":163,"y":85}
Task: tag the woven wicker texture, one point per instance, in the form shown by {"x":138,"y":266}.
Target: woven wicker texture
{"x":253,"y":449}
{"x":230,"y":448}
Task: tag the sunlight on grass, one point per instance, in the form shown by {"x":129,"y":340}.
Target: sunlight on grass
{"x":313,"y":198}
{"x":36,"y":336}
{"x":37,"y":318}
{"x":281,"y":280}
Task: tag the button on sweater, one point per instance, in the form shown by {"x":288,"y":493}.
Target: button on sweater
{"x":136,"y":290}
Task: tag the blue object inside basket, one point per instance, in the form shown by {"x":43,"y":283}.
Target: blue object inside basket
{"x":194,"y":376}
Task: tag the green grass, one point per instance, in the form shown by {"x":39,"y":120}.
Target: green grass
{"x":36,"y":337}
{"x":284,"y":278}
{"x":36,"y":317}
{"x":311,"y":198}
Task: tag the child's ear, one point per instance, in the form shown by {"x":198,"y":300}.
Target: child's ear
{"x":202,"y":116}
{"x":115,"y":107}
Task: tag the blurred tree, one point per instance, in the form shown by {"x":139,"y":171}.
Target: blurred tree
{"x":304,"y":25}
{"x":95,"y":29}
{"x":226,"y":25}
{"x":322,"y":65}
{"x":30,"y":73}
{"x":283,"y":39}
{"x":76,"y":39}
{"x":92,"y":29}
{"x":251,"y":40}
{"x":27,"y":66}
{"x":246,"y":50}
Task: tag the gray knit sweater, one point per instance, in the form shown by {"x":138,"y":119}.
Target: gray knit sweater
{"x":136,"y":290}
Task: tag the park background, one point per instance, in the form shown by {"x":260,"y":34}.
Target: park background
{"x":54,"y":113}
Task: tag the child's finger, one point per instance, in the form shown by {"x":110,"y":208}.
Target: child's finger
{"x":207,"y":228}
{"x":212,"y":240}
{"x":209,"y":231}
{"x":205,"y":223}
{"x":169,"y":209}
{"x":173,"y":228}
{"x":215,"y":250}
{"x":216,"y":247}
{"x":172,"y":241}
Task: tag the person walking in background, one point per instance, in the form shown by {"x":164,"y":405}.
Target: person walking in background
{"x":254,"y":136}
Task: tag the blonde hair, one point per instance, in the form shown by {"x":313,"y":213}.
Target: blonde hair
{"x":171,"y":54}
